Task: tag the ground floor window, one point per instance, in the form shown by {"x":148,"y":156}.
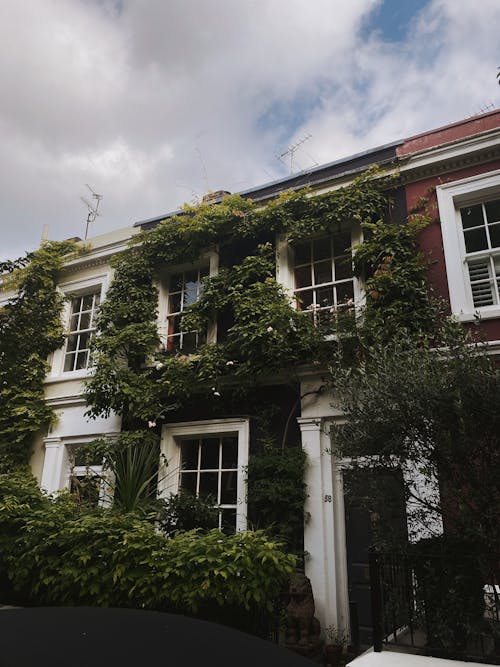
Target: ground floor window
{"x":208,"y":459}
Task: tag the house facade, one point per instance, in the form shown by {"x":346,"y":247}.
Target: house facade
{"x":457,"y":170}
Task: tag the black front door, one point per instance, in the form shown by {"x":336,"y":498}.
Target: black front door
{"x":374,"y":512}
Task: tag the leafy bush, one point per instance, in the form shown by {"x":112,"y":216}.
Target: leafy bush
{"x":185,"y":511}
{"x":58,"y":555}
{"x":277,"y":493}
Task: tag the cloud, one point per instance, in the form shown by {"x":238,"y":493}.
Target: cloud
{"x":154,"y":103}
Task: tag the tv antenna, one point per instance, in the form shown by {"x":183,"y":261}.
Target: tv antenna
{"x":291,"y":150}
{"x":92,"y":207}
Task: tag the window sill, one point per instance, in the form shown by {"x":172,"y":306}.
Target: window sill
{"x":69,"y":375}
{"x":479,"y":315}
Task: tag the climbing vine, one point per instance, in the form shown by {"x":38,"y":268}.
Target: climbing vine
{"x":260,"y":333}
{"x":30,"y":330}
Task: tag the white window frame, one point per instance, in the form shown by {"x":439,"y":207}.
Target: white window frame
{"x":210,"y":259}
{"x":173,"y":434}
{"x":285,"y":264}
{"x":57,"y":467}
{"x":451,"y":198}
{"x":69,"y":291}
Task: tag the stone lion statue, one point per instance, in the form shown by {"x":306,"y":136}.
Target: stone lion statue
{"x":303,"y":627}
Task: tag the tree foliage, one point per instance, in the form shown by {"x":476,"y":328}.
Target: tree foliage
{"x":433,"y":413}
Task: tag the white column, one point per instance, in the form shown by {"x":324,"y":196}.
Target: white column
{"x":53,"y":465}
{"x":319,"y":531}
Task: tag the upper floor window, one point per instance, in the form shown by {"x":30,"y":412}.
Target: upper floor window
{"x":82,"y":324}
{"x":184,"y":288}
{"x":481,"y":230}
{"x":470,"y":224}
{"x":323,"y":274}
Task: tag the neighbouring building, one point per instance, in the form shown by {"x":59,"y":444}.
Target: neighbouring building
{"x":457,"y":167}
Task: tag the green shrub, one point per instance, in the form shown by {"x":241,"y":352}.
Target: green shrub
{"x":59,"y":555}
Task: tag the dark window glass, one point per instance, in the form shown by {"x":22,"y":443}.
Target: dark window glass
{"x":228,"y":488}
{"x":189,"y":454}
{"x":343,"y":268}
{"x":303,"y":276}
{"x":230,"y":452}
{"x":322,"y":248}
{"x":302,"y":253}
{"x":472,"y":216}
{"x":345,"y":292}
{"x":493,"y":210}
{"x":209,"y":483}
{"x":323,"y":272}
{"x":209,"y":453}
{"x":495,"y":235}
{"x":475,"y":239}
{"x":188,"y":482}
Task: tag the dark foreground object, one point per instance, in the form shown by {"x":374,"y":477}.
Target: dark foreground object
{"x":83,"y":636}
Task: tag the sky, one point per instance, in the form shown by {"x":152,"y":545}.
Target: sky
{"x":152,"y":103}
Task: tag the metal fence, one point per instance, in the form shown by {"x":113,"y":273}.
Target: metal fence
{"x":441,"y":604}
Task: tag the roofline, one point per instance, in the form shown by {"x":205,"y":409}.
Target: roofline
{"x":295,"y":180}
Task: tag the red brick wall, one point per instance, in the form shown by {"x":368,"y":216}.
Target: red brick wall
{"x":431,"y":240}
{"x":442,"y":135}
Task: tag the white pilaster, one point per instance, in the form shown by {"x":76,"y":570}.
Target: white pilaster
{"x":319,"y":531}
{"x":53,"y":464}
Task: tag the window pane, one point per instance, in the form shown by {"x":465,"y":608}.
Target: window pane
{"x":85,"y":321}
{"x":495,"y":235}
{"x":188,"y":482}
{"x":176,"y":282}
{"x":343,"y":267}
{"x":189,"y":342}
{"x":230,"y":452}
{"x":302,"y":253}
{"x":303,"y":276}
{"x":174,"y":303}
{"x":324,"y":296}
{"x":323,"y":272}
{"x":190,"y":296}
{"x":322,"y":248}
{"x":209,"y":484}
{"x":73,"y":322}
{"x":472,"y":216}
{"x":69,"y":362}
{"x":209,"y":453}
{"x":81,"y":360}
{"x":76,"y":304}
{"x":84,"y":341}
{"x":189,"y":454}
{"x":304,"y":299}
{"x":493,"y":211}
{"x":228,"y":488}
{"x":345,"y":291}
{"x":341,"y":243}
{"x":72,"y":341}
{"x":87,"y":302}
{"x":475,"y":239}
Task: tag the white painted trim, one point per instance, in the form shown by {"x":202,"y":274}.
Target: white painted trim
{"x":452,"y":196}
{"x":69,"y":289}
{"x":170,"y":450}
{"x":458,"y":149}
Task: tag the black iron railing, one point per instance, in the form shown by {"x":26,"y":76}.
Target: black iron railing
{"x":441,"y":604}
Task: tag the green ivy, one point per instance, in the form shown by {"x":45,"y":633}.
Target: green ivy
{"x":265,"y":337}
{"x":30,"y":330}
